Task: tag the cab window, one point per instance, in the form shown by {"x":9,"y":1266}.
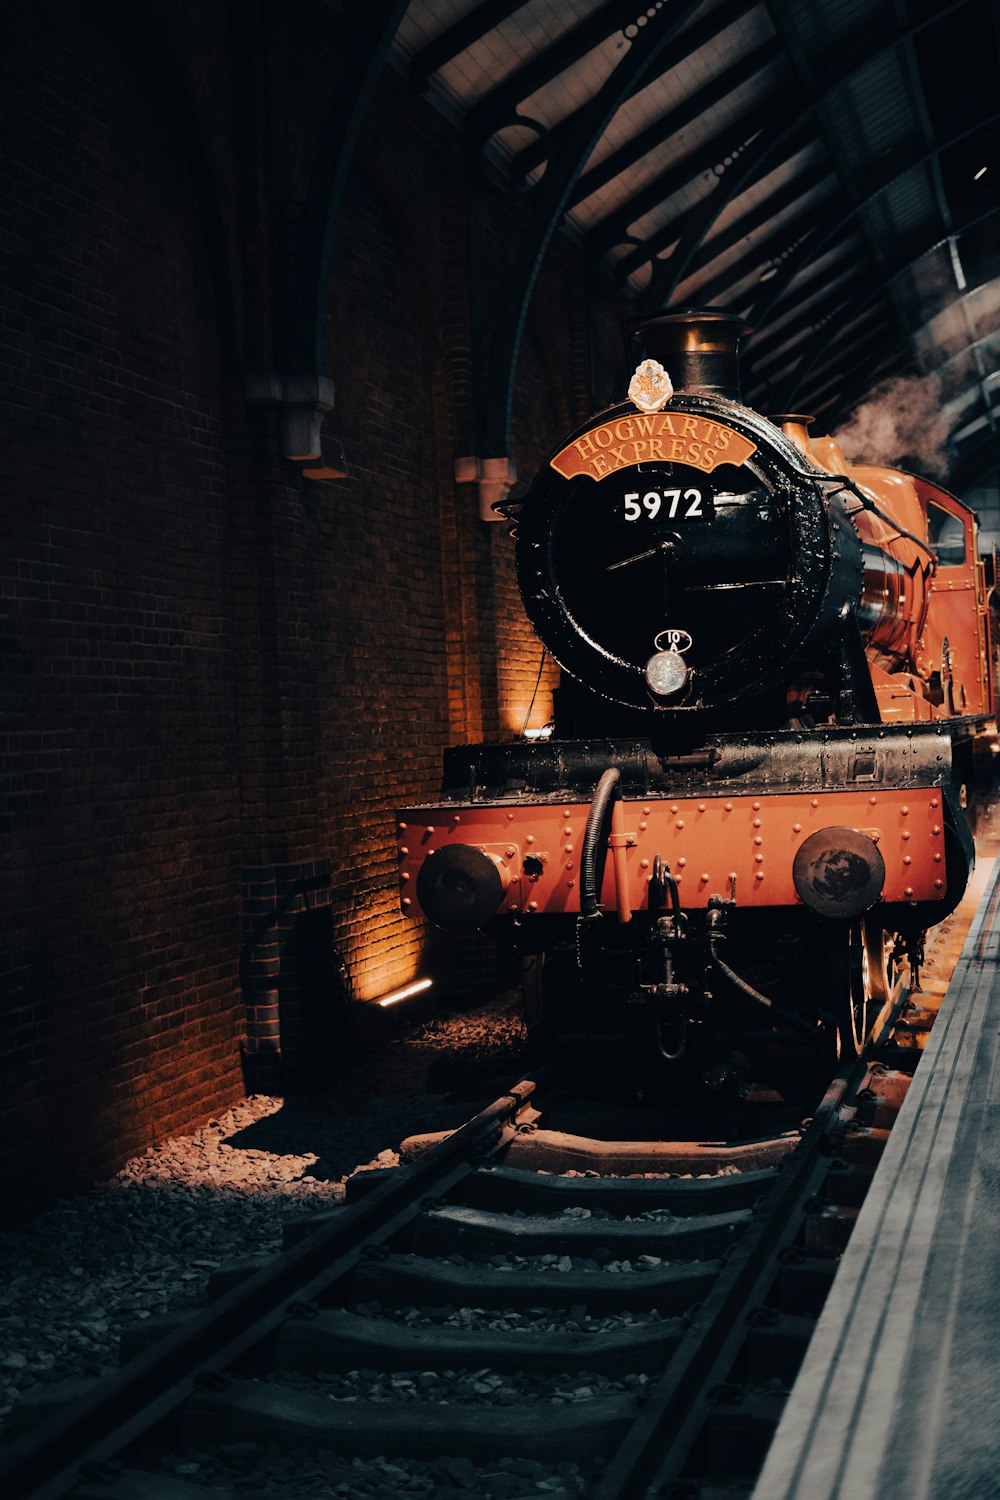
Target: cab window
{"x":946,"y":535}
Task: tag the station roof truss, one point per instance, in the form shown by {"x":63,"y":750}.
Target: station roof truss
{"x":828,"y":169}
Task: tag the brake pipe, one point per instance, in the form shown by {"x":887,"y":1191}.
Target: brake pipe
{"x":619,"y":843}
{"x":742,"y":986}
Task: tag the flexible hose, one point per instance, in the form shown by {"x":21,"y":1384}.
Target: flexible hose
{"x":749,"y":993}
{"x":595,"y":842}
{"x":867,"y":503}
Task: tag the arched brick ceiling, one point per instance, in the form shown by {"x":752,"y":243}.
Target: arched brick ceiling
{"x":828,"y":168}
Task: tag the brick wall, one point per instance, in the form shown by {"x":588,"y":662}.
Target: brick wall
{"x":221,"y":678}
{"x":120,"y":802}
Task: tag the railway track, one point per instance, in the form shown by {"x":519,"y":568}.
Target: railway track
{"x":531,"y":1306}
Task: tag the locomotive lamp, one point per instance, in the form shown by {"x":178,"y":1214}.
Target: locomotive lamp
{"x":667,"y":672}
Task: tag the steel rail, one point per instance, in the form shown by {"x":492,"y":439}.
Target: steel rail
{"x":660,"y":1441}
{"x":46,"y":1463}
{"x":51,"y":1461}
{"x":674,"y":1412}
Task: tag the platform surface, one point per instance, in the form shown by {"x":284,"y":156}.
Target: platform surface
{"x":899,"y":1393}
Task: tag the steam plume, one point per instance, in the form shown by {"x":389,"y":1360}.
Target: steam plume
{"x":902,"y":423}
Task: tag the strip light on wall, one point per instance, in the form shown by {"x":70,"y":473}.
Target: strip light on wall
{"x":416,"y":988}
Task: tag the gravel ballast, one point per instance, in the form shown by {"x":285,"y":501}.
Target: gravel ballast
{"x":144,"y":1243}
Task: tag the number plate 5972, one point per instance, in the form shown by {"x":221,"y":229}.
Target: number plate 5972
{"x":668,"y":505}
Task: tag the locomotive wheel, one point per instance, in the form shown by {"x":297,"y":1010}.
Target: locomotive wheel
{"x":886,"y":974}
{"x":858,"y":984}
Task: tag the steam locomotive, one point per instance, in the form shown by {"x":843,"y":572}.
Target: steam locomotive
{"x":775,"y":667}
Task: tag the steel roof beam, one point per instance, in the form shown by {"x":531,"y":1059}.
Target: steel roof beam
{"x":797,"y":230}
{"x":978,"y":461}
{"x":832,"y":143}
{"x":919,"y":103}
{"x":500,"y":106}
{"x":830,"y":368}
{"x":819,"y":298}
{"x":828,"y":314}
{"x":678,"y":119}
{"x":614,"y":230}
{"x":855,"y":390}
{"x":984,"y":416}
{"x":371,"y":37}
{"x":757,"y":161}
{"x":465,"y":33}
{"x":972,"y":347}
{"x":642,"y":57}
{"x":823,"y":304}
{"x":915,"y":249}
{"x":896,"y":166}
{"x":698,"y":35}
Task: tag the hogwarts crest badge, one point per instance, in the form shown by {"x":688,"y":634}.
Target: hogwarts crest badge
{"x":650,"y":388}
